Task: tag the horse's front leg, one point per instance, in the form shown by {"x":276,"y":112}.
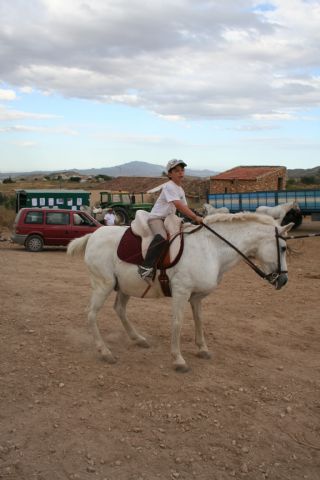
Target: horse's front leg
{"x":98,"y":297}
{"x":120,"y":305}
{"x":178,"y":304}
{"x":200,"y":341}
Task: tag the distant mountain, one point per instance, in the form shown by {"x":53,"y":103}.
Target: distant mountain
{"x":131,"y":169}
{"x":141,"y":169}
{"x":300,"y":172}
{"x":145,"y":169}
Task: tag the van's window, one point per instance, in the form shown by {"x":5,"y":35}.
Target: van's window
{"x":81,"y":219}
{"x":77,"y":220}
{"x":57,"y":218}
{"x":34,"y":217}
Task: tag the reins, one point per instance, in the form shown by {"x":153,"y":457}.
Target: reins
{"x":293,"y":237}
{"x":270,"y":277}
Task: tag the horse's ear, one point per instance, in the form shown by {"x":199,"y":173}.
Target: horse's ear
{"x":286,"y":228}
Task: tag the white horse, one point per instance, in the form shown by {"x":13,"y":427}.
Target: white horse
{"x":210,"y":209}
{"x":279,"y":211}
{"x":204,"y":261}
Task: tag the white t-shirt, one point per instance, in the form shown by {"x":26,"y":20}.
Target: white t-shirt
{"x":109,"y":219}
{"x":164,"y":205}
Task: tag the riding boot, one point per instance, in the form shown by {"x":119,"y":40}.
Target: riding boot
{"x":156,"y":250}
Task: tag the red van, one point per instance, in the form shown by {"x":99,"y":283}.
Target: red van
{"x":37,"y":227}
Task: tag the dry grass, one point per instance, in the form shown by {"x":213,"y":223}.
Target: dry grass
{"x":6,"y":217}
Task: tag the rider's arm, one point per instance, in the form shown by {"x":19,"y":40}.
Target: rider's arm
{"x":185,"y":210}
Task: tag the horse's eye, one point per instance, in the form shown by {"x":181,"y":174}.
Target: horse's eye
{"x":283,"y":249}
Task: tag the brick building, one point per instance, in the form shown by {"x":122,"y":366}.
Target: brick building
{"x":249,"y":179}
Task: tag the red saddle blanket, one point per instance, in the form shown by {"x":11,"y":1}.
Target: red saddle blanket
{"x":129,"y":249}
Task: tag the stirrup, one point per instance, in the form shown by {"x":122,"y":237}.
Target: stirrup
{"x":146,"y":273}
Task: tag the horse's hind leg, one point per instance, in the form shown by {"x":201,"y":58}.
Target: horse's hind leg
{"x":200,"y":341}
{"x":120,"y":305}
{"x":178,"y":304}
{"x":100,"y":292}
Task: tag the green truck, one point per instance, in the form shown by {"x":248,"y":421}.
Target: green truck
{"x":124,"y":204}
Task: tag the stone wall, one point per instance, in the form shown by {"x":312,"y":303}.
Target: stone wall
{"x":266,"y":182}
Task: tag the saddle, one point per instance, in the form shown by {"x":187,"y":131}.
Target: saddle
{"x":135,"y":241}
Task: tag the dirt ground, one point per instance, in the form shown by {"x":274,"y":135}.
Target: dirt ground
{"x":251,"y":412}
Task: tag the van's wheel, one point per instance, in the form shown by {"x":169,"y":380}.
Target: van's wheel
{"x":34,"y":243}
{"x":122,"y":217}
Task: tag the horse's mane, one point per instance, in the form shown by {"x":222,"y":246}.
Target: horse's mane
{"x":240,"y":217}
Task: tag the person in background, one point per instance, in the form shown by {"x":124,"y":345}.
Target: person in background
{"x":171,"y":199}
{"x":109,"y":218}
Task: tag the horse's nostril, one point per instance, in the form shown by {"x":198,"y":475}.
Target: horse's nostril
{"x":282,"y":280}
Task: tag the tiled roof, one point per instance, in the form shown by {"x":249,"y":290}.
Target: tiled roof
{"x":245,"y":173}
{"x":191,"y":185}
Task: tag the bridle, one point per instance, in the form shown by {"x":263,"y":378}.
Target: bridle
{"x":270,"y":277}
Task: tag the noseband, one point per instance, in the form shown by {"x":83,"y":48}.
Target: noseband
{"x":270,"y":277}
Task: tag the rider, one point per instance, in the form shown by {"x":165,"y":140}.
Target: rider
{"x":171,"y":198}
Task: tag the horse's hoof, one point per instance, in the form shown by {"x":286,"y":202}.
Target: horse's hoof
{"x":143,"y":343}
{"x":108,"y":359}
{"x":204,"y":354}
{"x":182,"y":368}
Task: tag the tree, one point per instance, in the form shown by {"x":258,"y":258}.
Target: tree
{"x":8,"y":180}
{"x":103,"y":177}
{"x":308,"y":180}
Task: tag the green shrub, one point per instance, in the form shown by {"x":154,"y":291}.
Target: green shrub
{"x":310,"y":180}
{"x":291,"y":182}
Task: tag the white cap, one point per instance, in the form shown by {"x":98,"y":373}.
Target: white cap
{"x":173,"y":163}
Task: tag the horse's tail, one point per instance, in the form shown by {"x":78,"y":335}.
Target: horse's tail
{"x":78,"y":245}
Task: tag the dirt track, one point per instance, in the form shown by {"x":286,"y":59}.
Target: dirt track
{"x":250,"y":412}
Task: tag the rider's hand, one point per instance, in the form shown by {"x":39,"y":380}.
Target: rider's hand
{"x":198,"y":219}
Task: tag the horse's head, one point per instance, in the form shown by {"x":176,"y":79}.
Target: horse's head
{"x":260,"y":237}
{"x":271,"y":253}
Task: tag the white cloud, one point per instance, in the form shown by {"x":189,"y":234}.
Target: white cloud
{"x":7,"y":94}
{"x":26,"y":89}
{"x":176,"y":58}
{"x":37,"y":129}
{"x":25,"y":144}
{"x":255,"y":127}
{"x":171,"y":118}
{"x":10,"y":114}
{"x":274,"y":116}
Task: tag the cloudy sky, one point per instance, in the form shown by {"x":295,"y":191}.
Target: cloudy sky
{"x":98,"y":83}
